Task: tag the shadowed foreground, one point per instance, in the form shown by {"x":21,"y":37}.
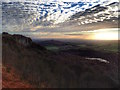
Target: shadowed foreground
{"x":41,"y":68}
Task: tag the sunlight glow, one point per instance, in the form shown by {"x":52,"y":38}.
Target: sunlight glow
{"x":106,"y":36}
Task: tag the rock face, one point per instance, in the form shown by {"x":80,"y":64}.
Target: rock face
{"x":25,"y":41}
{"x":20,"y":40}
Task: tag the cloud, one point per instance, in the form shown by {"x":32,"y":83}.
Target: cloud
{"x":59,"y":0}
{"x":38,"y":28}
{"x":74,"y":34}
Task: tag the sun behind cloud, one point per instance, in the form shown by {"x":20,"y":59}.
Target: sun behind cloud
{"x":106,"y":35}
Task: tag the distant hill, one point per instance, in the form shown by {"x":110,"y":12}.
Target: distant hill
{"x":51,"y":43}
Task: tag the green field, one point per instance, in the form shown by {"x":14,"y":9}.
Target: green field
{"x":106,"y":47}
{"x":52,"y":48}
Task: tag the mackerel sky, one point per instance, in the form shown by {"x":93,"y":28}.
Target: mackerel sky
{"x":60,"y":0}
{"x":54,"y":30}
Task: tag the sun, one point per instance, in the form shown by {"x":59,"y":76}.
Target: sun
{"x":106,"y":36}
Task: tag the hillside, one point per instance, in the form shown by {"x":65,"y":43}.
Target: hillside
{"x":42,"y":68}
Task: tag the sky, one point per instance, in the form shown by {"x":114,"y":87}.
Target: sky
{"x":59,"y":0}
{"x":99,"y":34}
{"x":101,"y":31}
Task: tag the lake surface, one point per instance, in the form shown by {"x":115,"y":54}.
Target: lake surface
{"x":99,"y":59}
